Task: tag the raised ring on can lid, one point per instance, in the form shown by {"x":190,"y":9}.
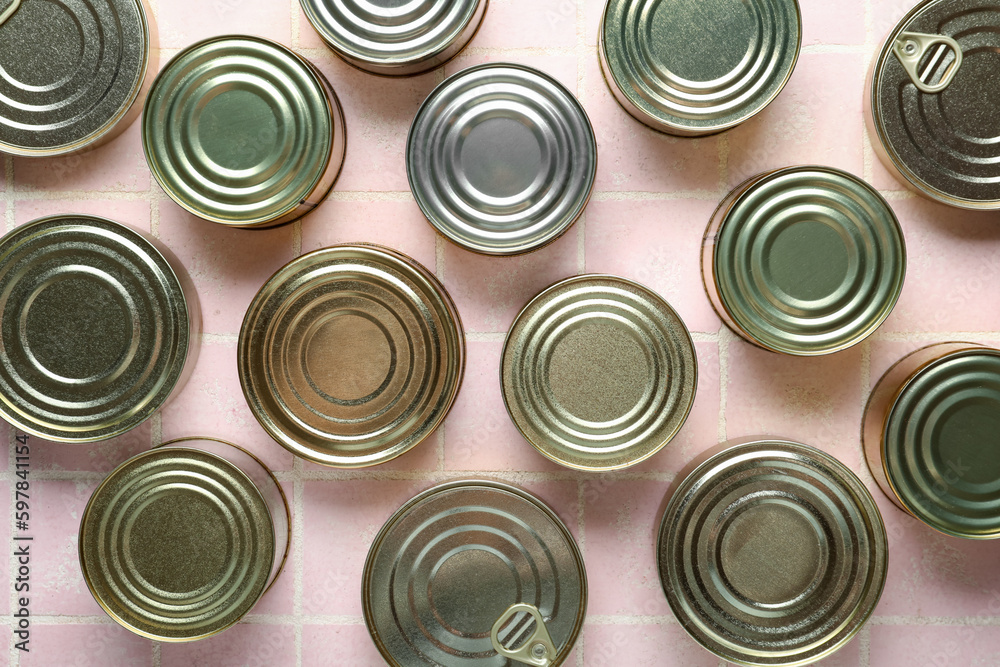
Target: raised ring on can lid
{"x":395,"y":37}
{"x":72,"y":73}
{"x":804,"y":260}
{"x":933,"y":106}
{"x":461,"y":557}
{"x":771,"y":552}
{"x":351,"y":355}
{"x":598,"y":373}
{"x":241,"y":131}
{"x":96,"y":328}
{"x":501,"y":159}
{"x":695,"y":67}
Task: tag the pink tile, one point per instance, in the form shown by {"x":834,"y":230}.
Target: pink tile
{"x":833,"y":23}
{"x":280,"y":597}
{"x":308,"y":37}
{"x":3,"y":215}
{"x":86,"y":646}
{"x":351,"y":644}
{"x":563,"y":498}
{"x":102,"y":456}
{"x":885,"y":15}
{"x":848,"y":655}
{"x":182,"y":23}
{"x":561,"y":68}
{"x":132,"y":213}
{"x":953,"y":646}
{"x":242,"y":645}
{"x":528,"y":23}
{"x":882,"y":179}
{"x":643,"y":646}
{"x":593,"y":14}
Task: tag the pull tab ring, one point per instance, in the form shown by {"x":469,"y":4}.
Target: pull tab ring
{"x":538,"y":650}
{"x":911,"y":47}
{"x":7,"y":13}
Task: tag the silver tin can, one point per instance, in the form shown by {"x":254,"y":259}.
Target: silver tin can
{"x":474,"y":573}
{"x":501,"y":159}
{"x":392,"y":37}
{"x":98,"y":325}
{"x":74,"y":73}
{"x":933,"y":102}
{"x":696,"y":67}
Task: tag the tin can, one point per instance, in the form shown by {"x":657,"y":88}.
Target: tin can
{"x":180,"y":542}
{"x":74,"y":73}
{"x":803,"y":260}
{"x":393,"y":38}
{"x":501,"y":159}
{"x":474,"y":573}
{"x":697,"y":67}
{"x":97,"y":328}
{"x":243,"y":132}
{"x":771,"y":552}
{"x":351,"y":355}
{"x":932,"y":102}
{"x":929,"y":436}
{"x":598,"y":373}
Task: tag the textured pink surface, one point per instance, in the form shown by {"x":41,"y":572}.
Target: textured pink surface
{"x":653,"y":198}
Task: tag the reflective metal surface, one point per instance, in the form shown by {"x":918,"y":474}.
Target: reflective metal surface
{"x":241,"y":131}
{"x":96,"y":328}
{"x":453,"y":561}
{"x":351,"y":355}
{"x":395,"y":37}
{"x":598,"y":373}
{"x":771,"y":552}
{"x":501,"y":159}
{"x":933,"y":102}
{"x":804,"y":260}
{"x":180,"y":542}
{"x":72,"y":73}
{"x":694,"y":67}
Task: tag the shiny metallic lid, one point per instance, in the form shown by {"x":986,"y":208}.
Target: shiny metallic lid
{"x":95,"y":328}
{"x":455,"y":560}
{"x":694,"y":67}
{"x":501,"y":159}
{"x":351,"y":355}
{"x":395,"y":37}
{"x":771,"y":553}
{"x":804,"y":260}
{"x":70,"y":72}
{"x":598,"y":373}
{"x":241,"y":131}
{"x":934,"y":102}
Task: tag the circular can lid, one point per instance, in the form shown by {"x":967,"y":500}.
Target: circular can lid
{"x":395,"y":37}
{"x":452,"y":562}
{"x":598,"y":373}
{"x":351,"y":355}
{"x":771,"y":553}
{"x":941,"y":443}
{"x":71,"y":72}
{"x":807,"y":260}
{"x":935,"y":101}
{"x":241,"y":131}
{"x":694,"y":67}
{"x":177,"y":544}
{"x":501,"y":159}
{"x":96,"y":329}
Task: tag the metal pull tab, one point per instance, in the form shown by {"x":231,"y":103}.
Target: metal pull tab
{"x":515,"y":624}
{"x":7,"y":13}
{"x":911,"y":47}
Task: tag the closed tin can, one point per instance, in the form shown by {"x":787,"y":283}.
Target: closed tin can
{"x":395,"y":38}
{"x":241,"y":131}
{"x":930,"y":436}
{"x":351,"y":355}
{"x":501,"y":159}
{"x":804,"y":260}
{"x":474,"y":573}
{"x":97,"y":328}
{"x":598,"y":373}
{"x":74,"y":73}
{"x":696,"y":67}
{"x":771,"y":552}
{"x":933,"y":102}
{"x":180,"y":542}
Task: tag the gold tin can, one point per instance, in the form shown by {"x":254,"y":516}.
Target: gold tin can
{"x":803,"y":260}
{"x":243,"y":132}
{"x":351,"y":355}
{"x":930,"y":436}
{"x":98,"y":326}
{"x":771,"y":552}
{"x":474,"y":573}
{"x":598,"y":373}
{"x":180,"y":542}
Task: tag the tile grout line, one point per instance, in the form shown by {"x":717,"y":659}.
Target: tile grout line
{"x":298,"y":556}
{"x":724,"y":339}
{"x":295,"y":24}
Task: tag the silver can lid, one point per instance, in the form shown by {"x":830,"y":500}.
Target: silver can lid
{"x":501,"y":159}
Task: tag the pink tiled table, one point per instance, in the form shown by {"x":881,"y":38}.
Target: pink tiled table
{"x":653,"y":198}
